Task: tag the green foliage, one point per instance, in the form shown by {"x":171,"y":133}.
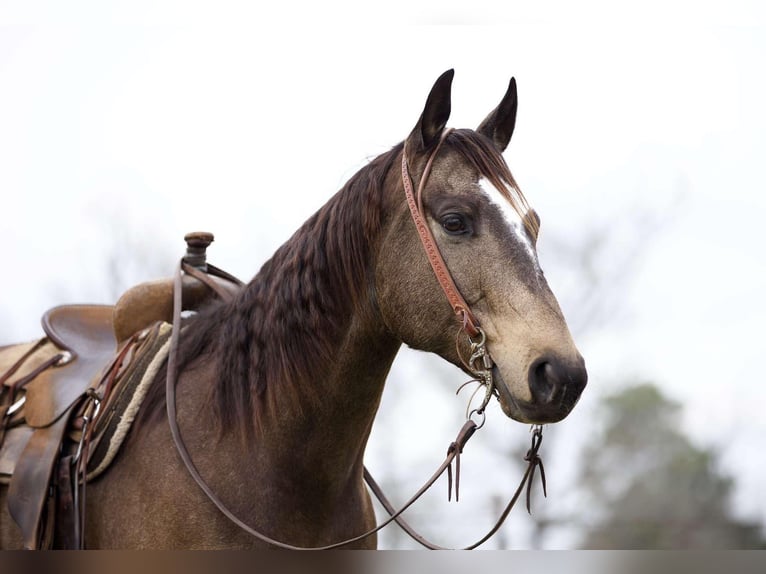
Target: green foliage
{"x":649,"y":487}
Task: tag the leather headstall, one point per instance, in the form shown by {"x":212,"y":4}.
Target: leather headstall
{"x":443,"y":275}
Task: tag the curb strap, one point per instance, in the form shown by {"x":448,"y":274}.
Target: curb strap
{"x":456,"y":301}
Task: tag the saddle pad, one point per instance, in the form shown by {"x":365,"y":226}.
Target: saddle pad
{"x":114,"y":423}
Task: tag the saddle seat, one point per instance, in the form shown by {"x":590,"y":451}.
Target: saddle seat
{"x":85,"y":340}
{"x":152,"y":301}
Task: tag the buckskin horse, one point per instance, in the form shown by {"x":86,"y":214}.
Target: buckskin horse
{"x":271,"y":388}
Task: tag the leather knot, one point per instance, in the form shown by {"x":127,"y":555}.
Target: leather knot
{"x":535,"y":461}
{"x":454,"y":449}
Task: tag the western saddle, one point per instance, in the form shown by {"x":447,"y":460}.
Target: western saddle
{"x":57,"y":394}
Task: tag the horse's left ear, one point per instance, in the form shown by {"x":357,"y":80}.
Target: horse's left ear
{"x":435,"y":115}
{"x":498,"y":125}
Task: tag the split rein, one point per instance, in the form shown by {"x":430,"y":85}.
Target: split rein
{"x":479,"y":364}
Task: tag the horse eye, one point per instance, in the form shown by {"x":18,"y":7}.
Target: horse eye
{"x":454,"y":224}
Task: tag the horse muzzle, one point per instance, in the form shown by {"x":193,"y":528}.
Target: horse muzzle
{"x":555,"y":385}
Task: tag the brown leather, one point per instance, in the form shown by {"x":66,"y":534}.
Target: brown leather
{"x":18,"y":361}
{"x":86,"y":338}
{"x":65,"y":527}
{"x":150,"y":302}
{"x":453,"y":453}
{"x":456,"y":300}
{"x":13,"y":444}
{"x":533,"y":461}
{"x":175,"y":431}
{"x":86,"y":332}
{"x":19,"y":364}
{"x":28,"y":491}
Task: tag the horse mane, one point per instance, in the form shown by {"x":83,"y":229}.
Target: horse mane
{"x":278,"y":334}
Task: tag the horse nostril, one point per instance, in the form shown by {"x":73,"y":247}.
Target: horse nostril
{"x":544,"y":382}
{"x":551,"y":380}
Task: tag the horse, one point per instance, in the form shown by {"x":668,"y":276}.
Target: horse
{"x":278,"y":387}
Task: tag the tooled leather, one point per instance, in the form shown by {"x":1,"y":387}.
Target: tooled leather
{"x":440,"y":269}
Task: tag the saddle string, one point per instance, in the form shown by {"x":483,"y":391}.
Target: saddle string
{"x":8,"y":391}
{"x":89,"y":415}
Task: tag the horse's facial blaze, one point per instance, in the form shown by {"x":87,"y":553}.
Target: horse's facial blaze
{"x":492,"y":256}
{"x":538,"y":372}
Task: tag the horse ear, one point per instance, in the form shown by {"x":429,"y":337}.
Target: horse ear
{"x":435,"y":115}
{"x":498,"y":125}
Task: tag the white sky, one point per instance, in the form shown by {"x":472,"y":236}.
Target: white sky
{"x":159,"y":118}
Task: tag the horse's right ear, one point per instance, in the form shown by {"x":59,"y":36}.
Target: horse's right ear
{"x":435,"y":115}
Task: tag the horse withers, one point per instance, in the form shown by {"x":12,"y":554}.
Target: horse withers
{"x":278,"y":386}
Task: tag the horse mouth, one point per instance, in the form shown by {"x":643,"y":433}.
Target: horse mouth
{"x":530,"y":412}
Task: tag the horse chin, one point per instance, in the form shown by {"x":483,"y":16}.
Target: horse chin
{"x":524,"y":411}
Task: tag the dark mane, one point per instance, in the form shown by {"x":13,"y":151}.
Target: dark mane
{"x":276,"y":336}
{"x":270,"y":342}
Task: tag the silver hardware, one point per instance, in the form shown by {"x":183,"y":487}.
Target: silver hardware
{"x":15,"y":406}
{"x":483,"y":415}
{"x":86,"y":420}
{"x":65,"y":357}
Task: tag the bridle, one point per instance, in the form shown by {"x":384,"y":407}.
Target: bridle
{"x":479,"y":363}
{"x":443,"y":275}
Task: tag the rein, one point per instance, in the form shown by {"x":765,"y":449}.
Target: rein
{"x":479,"y":364}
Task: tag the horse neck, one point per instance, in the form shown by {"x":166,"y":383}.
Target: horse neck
{"x":331,"y":434}
{"x":306,"y":339}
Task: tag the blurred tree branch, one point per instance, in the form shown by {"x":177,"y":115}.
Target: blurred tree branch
{"x":649,"y":487}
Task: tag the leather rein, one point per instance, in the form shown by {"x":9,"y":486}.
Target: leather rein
{"x":479,"y":364}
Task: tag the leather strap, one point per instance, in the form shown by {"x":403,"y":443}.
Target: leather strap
{"x":27,"y":498}
{"x":533,"y":461}
{"x":447,"y":283}
{"x":453,"y":452}
{"x":204,"y":277}
{"x":171,"y":379}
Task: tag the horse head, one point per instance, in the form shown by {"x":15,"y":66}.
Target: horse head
{"x":486,"y":234}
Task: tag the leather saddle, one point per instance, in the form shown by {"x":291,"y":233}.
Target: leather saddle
{"x":43,"y":383}
{"x":84,"y":336}
{"x":81,"y":343}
